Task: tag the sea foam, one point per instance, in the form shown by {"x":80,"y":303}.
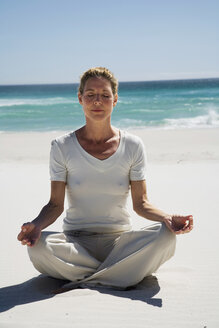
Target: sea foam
{"x":211,"y":119}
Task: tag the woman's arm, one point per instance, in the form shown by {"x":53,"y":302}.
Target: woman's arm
{"x":176,"y":223}
{"x":31,"y":231}
{"x":51,"y":211}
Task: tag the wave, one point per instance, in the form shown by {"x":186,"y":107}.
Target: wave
{"x":143,"y":110}
{"x":128,"y":123}
{"x":211,"y":119}
{"x":37,"y":102}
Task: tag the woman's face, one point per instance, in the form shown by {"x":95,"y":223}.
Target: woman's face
{"x":97,"y":99}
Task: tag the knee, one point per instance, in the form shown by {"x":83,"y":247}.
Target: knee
{"x":37,"y":248}
{"x":167,"y":237}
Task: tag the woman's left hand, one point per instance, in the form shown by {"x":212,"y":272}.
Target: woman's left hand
{"x":179,"y":224}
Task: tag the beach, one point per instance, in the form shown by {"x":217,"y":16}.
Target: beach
{"x":182,"y":178}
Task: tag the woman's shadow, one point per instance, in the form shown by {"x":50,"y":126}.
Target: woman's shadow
{"x":43,"y":287}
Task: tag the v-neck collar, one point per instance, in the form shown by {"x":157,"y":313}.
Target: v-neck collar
{"x":96,"y":161}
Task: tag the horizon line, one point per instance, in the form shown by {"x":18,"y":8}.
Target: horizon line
{"x":161,"y":80}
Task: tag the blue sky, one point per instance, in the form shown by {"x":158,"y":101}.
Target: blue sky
{"x":54,"y":41}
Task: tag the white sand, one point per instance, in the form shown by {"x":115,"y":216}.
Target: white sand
{"x":183,"y":176}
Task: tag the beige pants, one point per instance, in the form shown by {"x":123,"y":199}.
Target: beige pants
{"x":113,"y":259}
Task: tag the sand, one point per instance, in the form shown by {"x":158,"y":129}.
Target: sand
{"x":182,"y":177}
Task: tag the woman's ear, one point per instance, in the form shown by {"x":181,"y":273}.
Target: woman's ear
{"x":80,"y":98}
{"x":115,"y":99}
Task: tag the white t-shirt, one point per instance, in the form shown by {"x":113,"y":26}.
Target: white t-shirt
{"x":97,"y":190}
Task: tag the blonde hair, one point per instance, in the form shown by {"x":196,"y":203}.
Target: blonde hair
{"x":99,"y":72}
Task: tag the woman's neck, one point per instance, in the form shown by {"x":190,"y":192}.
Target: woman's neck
{"x":97,"y":132}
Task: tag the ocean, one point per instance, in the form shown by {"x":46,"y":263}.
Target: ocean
{"x":155,"y":104}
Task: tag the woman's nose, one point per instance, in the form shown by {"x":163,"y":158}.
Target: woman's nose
{"x":97,"y":99}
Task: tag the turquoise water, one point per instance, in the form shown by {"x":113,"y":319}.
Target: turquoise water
{"x":163,"y":104}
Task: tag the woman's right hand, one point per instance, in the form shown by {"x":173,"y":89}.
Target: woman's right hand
{"x":30,"y":234}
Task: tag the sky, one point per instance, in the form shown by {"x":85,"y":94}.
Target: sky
{"x":55,"y":41}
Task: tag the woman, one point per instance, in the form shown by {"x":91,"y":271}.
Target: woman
{"x":97,"y":165}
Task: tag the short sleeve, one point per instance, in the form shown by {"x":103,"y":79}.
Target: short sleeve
{"x":57,"y":167}
{"x":138,"y":167}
